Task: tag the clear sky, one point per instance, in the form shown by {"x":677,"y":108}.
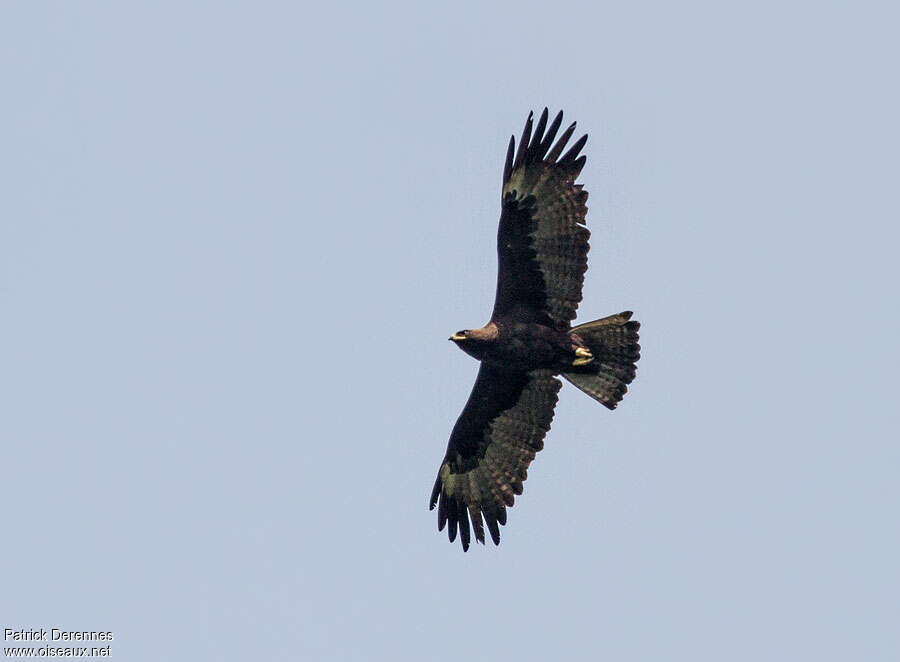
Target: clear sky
{"x":234,"y":239}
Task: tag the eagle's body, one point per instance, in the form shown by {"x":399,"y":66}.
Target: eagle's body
{"x":515,"y":345}
{"x":542,"y":248}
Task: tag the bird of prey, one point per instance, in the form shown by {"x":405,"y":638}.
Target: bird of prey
{"x":542,"y":248}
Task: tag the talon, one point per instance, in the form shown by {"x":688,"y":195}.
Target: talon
{"x":583,"y":356}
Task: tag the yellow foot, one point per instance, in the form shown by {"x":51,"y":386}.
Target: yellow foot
{"x":584,"y":356}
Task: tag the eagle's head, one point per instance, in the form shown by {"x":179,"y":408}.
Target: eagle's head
{"x":475,"y":342}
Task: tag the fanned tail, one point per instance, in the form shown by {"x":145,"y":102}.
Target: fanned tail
{"x":613,"y":341}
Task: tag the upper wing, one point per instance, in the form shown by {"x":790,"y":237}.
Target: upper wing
{"x":542,"y":243}
{"x":494,"y":440}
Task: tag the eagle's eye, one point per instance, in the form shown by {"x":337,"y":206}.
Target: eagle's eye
{"x":461,"y":333}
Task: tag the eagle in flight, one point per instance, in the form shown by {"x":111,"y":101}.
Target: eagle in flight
{"x":542,"y":248}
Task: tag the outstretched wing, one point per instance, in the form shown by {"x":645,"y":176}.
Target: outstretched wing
{"x":542,"y":243}
{"x":494,"y":440}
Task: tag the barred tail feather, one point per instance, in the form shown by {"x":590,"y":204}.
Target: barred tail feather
{"x":613,"y":341}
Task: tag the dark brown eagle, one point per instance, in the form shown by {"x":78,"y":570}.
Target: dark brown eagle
{"x":542,"y":248}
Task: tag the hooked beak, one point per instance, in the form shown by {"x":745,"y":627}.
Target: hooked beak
{"x":457,"y":336}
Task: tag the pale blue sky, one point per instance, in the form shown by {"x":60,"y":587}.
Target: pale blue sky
{"x":235,"y":238}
